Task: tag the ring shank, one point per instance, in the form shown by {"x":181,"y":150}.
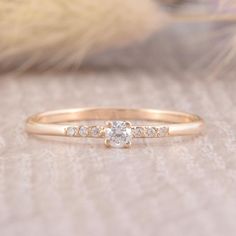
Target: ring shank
{"x":53,"y":122}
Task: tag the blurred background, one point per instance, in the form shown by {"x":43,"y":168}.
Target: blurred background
{"x":164,"y":54}
{"x":68,"y":35}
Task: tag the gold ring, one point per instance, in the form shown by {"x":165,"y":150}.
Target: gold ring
{"x":116,"y":129}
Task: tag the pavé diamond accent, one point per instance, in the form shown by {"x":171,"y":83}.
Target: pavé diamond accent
{"x":150,"y":132}
{"x":138,"y":132}
{"x":163,"y":131}
{"x":83,"y":131}
{"x":95,"y":131}
{"x":118,"y":134}
{"x":71,"y":131}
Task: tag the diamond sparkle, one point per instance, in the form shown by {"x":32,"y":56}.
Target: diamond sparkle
{"x":71,"y":131}
{"x":138,"y":132}
{"x":150,"y":132}
{"x":83,"y":131}
{"x":163,"y":132}
{"x":95,"y":131}
{"x":118,"y":134}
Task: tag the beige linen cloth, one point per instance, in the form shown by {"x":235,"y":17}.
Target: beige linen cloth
{"x":172,"y":186}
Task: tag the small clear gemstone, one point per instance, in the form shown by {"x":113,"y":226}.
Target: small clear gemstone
{"x":138,"y":132}
{"x":150,"y":132}
{"x":163,"y":131}
{"x":83,"y":131}
{"x":118,"y":134}
{"x":95,"y":131}
{"x":71,"y":131}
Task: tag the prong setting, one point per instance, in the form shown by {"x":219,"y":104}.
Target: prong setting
{"x":107,"y":143}
{"x":128,"y":144}
{"x":128,"y":124}
{"x":109,"y":124}
{"x":118,"y":133}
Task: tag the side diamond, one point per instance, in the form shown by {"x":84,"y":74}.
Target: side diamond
{"x":95,"y":131}
{"x":71,"y":131}
{"x":138,"y":132}
{"x":83,"y":131}
{"x":150,"y":132}
{"x":163,"y":131}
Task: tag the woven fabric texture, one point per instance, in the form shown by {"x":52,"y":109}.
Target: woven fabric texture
{"x":172,"y":186}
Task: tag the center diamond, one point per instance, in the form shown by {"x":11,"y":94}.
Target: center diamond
{"x":118,"y":134}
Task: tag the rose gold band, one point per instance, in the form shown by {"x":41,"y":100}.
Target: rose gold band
{"x":59,"y":122}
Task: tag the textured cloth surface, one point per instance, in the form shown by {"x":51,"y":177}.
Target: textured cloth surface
{"x":172,"y":186}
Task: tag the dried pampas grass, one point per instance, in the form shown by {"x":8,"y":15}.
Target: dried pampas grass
{"x":50,"y":34}
{"x":59,"y":33}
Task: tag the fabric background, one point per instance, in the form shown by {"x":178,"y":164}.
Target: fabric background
{"x":173,"y":186}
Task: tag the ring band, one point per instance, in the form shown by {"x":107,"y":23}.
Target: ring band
{"x":117,"y":130}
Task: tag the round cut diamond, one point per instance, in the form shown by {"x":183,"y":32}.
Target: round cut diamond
{"x":138,"y":132}
{"x":95,"y":131}
{"x":118,"y":134}
{"x":71,"y":131}
{"x":163,"y":131}
{"x":83,"y":131}
{"x":151,"y":132}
